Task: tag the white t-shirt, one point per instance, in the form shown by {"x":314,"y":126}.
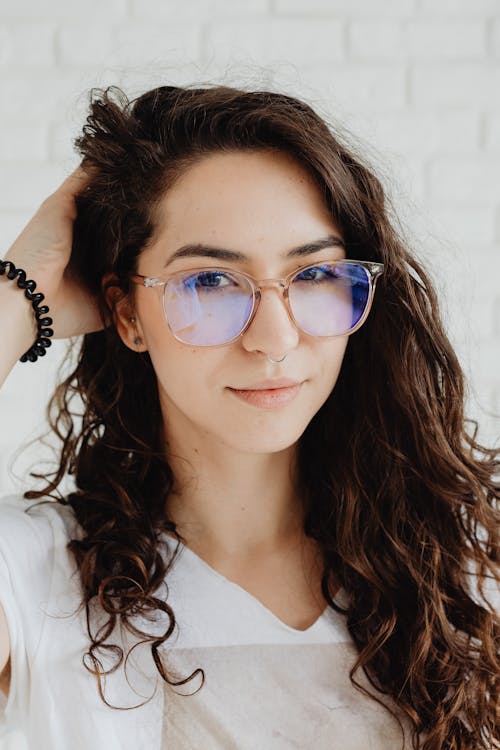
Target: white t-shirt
{"x":267,"y":685}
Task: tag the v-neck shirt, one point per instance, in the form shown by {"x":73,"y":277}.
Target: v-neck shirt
{"x":267,"y":685}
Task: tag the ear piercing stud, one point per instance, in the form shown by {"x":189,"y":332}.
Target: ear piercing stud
{"x":137,"y":340}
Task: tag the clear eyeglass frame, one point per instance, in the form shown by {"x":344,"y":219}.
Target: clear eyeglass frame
{"x":374,"y":269}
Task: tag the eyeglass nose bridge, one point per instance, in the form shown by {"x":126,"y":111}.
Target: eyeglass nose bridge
{"x":279,"y":283}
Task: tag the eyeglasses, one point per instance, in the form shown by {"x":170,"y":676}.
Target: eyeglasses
{"x":214,"y":306}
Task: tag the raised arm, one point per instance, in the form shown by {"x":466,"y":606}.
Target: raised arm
{"x":43,"y":250}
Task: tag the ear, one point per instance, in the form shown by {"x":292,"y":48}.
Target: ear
{"x":124,"y":316}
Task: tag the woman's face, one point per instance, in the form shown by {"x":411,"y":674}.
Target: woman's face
{"x":261,"y":204}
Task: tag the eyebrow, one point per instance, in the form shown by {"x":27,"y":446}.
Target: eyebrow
{"x":208,"y":251}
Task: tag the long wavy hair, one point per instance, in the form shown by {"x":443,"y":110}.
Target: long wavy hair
{"x":401,"y":499}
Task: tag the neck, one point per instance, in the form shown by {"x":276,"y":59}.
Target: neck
{"x":241,"y":508}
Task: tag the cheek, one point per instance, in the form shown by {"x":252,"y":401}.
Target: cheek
{"x":177,"y":368}
{"x":184,"y":373}
{"x":182,"y":385}
{"x":335,"y":355}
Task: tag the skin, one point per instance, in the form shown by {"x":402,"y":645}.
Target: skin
{"x":234,"y":499}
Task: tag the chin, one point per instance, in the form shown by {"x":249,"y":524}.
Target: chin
{"x":262,"y":438}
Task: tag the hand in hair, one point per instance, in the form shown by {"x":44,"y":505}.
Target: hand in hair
{"x":44,"y":250}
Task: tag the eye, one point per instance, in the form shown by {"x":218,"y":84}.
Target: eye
{"x":317,"y":273}
{"x":208,"y":280}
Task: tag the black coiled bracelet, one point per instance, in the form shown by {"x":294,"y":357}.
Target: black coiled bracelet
{"x":38,"y":349}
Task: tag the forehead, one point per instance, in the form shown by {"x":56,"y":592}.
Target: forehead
{"x":248,"y":201}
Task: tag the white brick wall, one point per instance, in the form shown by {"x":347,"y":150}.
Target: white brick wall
{"x":416,"y":82}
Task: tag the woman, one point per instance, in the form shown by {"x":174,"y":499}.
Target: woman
{"x":303,"y":442}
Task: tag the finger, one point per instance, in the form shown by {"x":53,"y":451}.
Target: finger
{"x":78,"y":179}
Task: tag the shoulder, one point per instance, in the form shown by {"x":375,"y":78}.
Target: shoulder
{"x":35,"y":571}
{"x":30,"y":529}
{"x":35,"y":563}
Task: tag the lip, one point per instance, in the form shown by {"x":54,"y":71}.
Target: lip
{"x":266,"y":385}
{"x":268,"y":398}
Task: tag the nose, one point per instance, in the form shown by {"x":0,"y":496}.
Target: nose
{"x":272,"y":330}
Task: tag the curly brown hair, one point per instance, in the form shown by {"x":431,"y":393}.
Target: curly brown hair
{"x":400,"y":498}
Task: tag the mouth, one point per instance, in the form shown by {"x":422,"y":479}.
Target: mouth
{"x":268,"y":398}
{"x":269,"y":384}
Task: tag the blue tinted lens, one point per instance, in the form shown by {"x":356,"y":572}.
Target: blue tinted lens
{"x":330,"y":299}
{"x":207,"y":307}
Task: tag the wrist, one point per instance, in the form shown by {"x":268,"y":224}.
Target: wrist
{"x":16,"y":279}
